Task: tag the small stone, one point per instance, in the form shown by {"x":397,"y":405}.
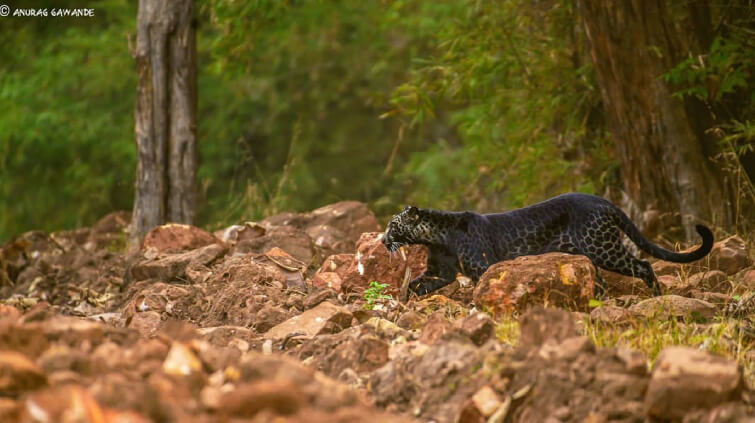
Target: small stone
{"x":181,"y":361}
{"x":486,"y":400}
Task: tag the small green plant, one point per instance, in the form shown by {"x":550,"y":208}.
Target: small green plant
{"x":374,"y":294}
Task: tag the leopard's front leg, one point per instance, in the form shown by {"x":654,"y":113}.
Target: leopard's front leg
{"x":442,"y":268}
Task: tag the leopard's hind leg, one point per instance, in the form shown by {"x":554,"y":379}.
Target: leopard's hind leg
{"x":602,"y":245}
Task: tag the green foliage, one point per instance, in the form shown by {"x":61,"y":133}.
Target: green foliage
{"x":66,"y":130}
{"x":509,"y":78}
{"x":453,"y":104}
{"x":374,"y":294}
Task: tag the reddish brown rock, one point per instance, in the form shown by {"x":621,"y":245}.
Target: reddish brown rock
{"x":338,"y":263}
{"x":437,"y":326}
{"x":268,"y":317}
{"x":176,"y":238}
{"x":617,"y":284}
{"x":554,"y":279}
{"x":145,"y":323}
{"x":325,"y":318}
{"x":662,"y":268}
{"x":373,"y":262}
{"x":729,"y":255}
{"x":479,"y":327}
{"x":411,"y":320}
{"x":354,"y":348}
{"x":18,"y":374}
{"x":290,"y":239}
{"x":333,"y":228}
{"x":327,"y":280}
{"x":747,"y":278}
{"x":172,"y":266}
{"x":671,"y":284}
{"x":713,"y":280}
{"x":248,"y":400}
{"x":685,"y":379}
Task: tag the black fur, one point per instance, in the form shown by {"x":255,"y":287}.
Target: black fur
{"x":468,"y":243}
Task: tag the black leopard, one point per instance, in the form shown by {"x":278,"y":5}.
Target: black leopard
{"x":468,"y":243}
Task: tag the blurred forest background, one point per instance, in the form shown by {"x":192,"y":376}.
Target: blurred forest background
{"x":454,"y":104}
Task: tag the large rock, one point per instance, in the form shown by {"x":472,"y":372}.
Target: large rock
{"x":170,"y":266}
{"x":685,"y":379}
{"x":176,"y":238}
{"x":554,"y":279}
{"x":325,"y":318}
{"x":668,"y":306}
{"x":372,"y":262}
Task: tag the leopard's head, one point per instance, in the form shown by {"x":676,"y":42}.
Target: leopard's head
{"x":411,"y":226}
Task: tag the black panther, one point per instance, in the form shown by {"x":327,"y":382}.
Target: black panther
{"x":468,"y":243}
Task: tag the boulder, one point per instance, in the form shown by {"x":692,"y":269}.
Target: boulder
{"x":373,"y":262}
{"x":685,"y":379}
{"x":176,"y":238}
{"x":324,"y":318}
{"x":668,"y":306}
{"x":729,"y":255}
{"x":553,"y":279}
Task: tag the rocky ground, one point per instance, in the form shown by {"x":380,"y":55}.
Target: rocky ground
{"x":277,"y":321}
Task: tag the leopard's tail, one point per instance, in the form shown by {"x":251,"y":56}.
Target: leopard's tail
{"x":629,"y":228}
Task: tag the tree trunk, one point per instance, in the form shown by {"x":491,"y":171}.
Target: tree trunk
{"x":165,"y":115}
{"x":664,"y":163}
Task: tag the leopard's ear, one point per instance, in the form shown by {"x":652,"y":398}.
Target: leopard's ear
{"x":412,"y":212}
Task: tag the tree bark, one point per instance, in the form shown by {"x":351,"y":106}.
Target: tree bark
{"x":165,"y":115}
{"x":664,"y":164}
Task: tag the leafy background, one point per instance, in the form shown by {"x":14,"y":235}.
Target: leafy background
{"x":455,"y":104}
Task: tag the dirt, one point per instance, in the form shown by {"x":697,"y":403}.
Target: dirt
{"x":269,"y":321}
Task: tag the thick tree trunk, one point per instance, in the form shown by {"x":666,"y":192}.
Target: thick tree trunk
{"x":165,"y":115}
{"x":664,"y":162}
